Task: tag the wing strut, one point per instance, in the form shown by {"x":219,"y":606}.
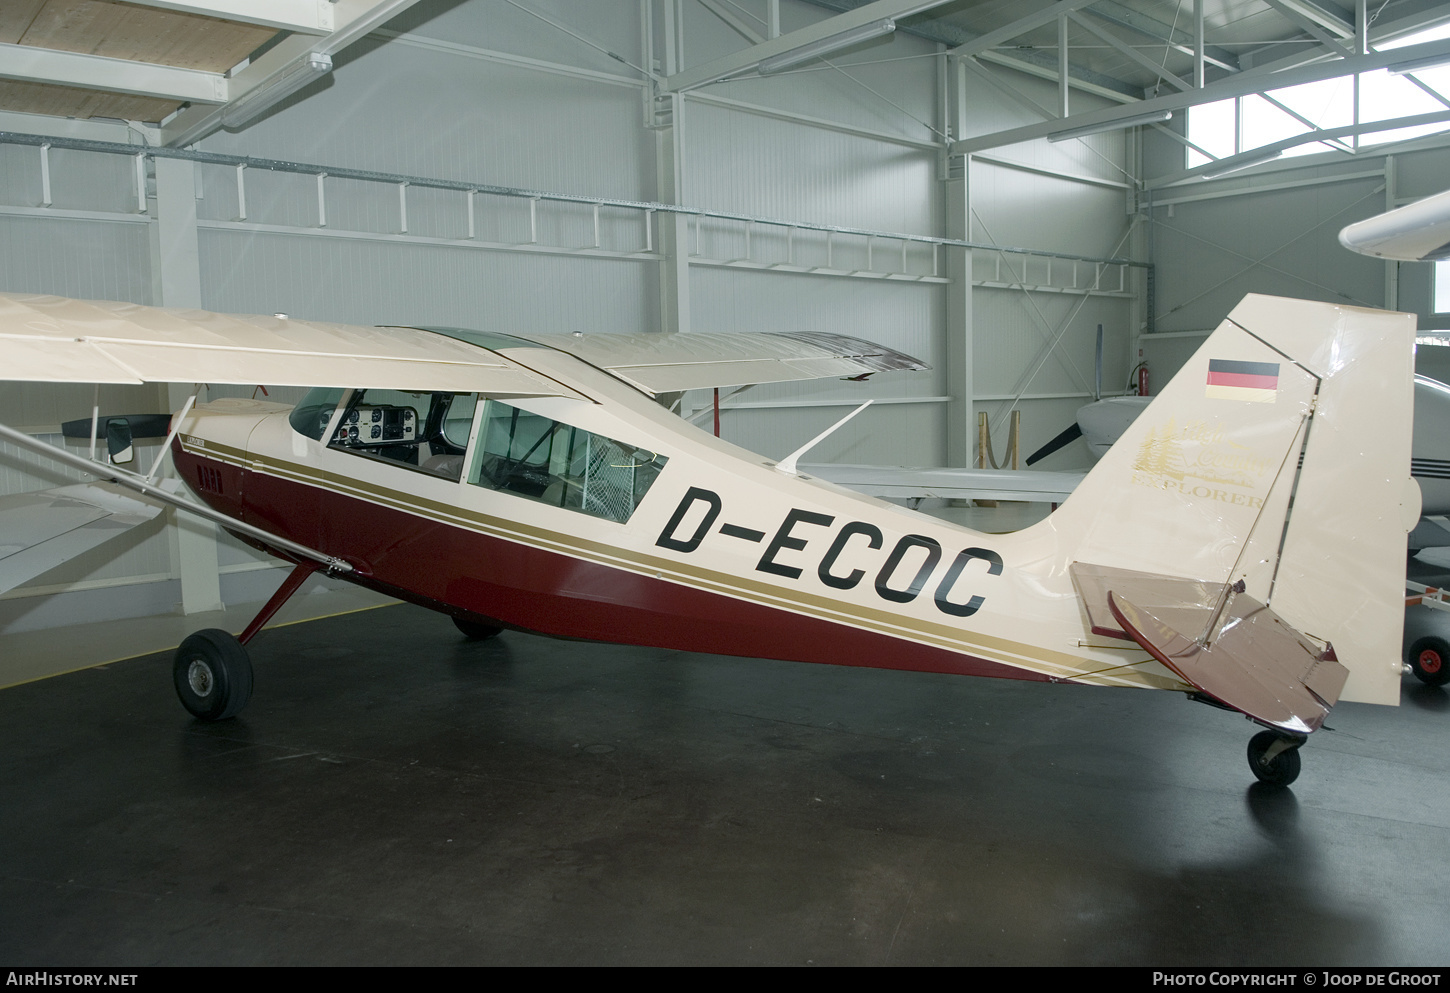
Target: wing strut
{"x":154,"y":491}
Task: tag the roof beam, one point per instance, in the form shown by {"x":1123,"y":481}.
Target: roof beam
{"x":1313,"y":12}
{"x":1044,"y":66}
{"x":1297,"y":17}
{"x":306,"y":16}
{"x":97,"y":72}
{"x":1020,"y":26}
{"x":1231,"y":86}
{"x":1132,"y":53}
{"x":748,"y":58}
{"x":1174,"y":37}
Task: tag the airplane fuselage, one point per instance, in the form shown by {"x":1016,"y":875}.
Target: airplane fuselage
{"x":724,"y":553}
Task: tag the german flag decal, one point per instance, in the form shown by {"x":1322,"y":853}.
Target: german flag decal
{"x":1257,"y":382}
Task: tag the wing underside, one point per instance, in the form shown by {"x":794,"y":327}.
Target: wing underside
{"x":669,"y":363}
{"x":53,"y":339}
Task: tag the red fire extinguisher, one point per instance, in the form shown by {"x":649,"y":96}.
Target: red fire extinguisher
{"x":1142,"y":379}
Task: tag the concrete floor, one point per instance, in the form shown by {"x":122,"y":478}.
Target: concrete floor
{"x":395,"y":794}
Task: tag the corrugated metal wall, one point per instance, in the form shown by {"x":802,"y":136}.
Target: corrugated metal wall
{"x":480,"y":91}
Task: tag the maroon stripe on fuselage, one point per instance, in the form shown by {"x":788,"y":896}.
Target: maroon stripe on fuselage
{"x":463,"y":572}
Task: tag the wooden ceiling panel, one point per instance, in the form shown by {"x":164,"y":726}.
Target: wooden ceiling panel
{"x":68,"y":101}
{"x":15,"y":17}
{"x":140,"y":34}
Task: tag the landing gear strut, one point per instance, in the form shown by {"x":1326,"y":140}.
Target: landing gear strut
{"x":1274,"y":757}
{"x":211,"y":670}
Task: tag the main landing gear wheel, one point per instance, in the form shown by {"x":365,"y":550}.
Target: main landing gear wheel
{"x":1274,"y":757}
{"x":213,"y":675}
{"x":1430,"y":660}
{"x":476,"y":632}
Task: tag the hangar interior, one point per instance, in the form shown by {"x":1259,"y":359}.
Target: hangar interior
{"x":979,"y":184}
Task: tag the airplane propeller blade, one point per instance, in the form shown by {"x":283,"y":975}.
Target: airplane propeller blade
{"x":1068,"y":436}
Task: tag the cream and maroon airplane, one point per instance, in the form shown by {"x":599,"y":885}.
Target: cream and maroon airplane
{"x":1242,"y":543}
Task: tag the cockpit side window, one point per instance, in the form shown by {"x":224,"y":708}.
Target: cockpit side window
{"x":425,"y":432}
{"x":561,"y":465}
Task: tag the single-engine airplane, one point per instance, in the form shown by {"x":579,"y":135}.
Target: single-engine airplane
{"x":1242,"y":543}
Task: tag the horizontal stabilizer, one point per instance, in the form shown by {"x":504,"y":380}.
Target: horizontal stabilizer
{"x":53,"y":526}
{"x":1179,"y":602}
{"x":1227,"y":644}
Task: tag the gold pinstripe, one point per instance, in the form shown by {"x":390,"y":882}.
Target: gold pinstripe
{"x":989,"y":647}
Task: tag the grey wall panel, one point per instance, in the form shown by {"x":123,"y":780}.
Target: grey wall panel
{"x":1284,"y":242}
{"x":93,"y":260}
{"x":1012,"y":334}
{"x":989,"y":110}
{"x":1422,"y":173}
{"x":367,"y":282}
{"x":404,"y":108}
{"x":1025,"y":210}
{"x":857,"y":87}
{"x":741,"y":162}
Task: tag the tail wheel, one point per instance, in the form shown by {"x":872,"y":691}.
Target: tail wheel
{"x":212,"y":675}
{"x":476,"y":632}
{"x":1430,"y":660}
{"x":1274,"y":757}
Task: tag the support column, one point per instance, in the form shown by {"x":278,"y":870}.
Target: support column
{"x":674,"y":229}
{"x":959,"y":384}
{"x":176,"y":282}
{"x":667,"y":119}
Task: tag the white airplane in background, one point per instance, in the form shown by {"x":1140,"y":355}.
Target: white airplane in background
{"x":512,"y":483}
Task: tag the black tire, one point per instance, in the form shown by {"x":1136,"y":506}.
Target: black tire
{"x":1282,"y":769}
{"x":212,"y":675}
{"x":476,"y":632}
{"x":1430,"y":660}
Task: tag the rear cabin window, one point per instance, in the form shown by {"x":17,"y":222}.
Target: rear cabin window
{"x":561,"y":465}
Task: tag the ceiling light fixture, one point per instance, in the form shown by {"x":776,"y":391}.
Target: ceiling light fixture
{"x":1419,"y":65}
{"x":263,"y":97}
{"x":825,"y":46}
{"x":1156,"y":117}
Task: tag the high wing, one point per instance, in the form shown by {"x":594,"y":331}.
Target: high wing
{"x":39,"y":531}
{"x":54,"y":339}
{"x":1416,"y":232}
{"x":669,"y":363}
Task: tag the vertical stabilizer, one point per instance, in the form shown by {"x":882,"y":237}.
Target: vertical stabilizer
{"x":1279,"y":457}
